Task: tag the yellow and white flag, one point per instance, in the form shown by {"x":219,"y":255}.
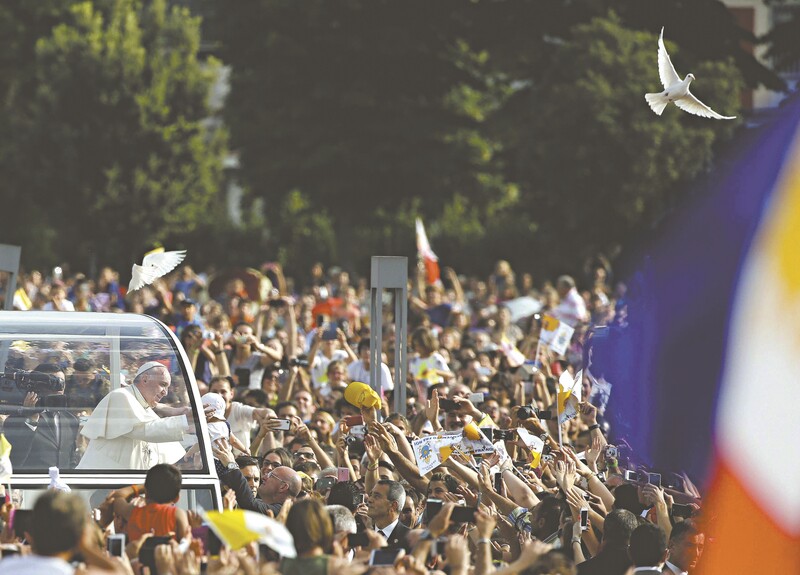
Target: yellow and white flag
{"x":569,"y":395}
{"x":555,"y":334}
{"x":5,"y":460}
{"x":514,"y":356}
{"x":534,"y":444}
{"x":238,"y":527}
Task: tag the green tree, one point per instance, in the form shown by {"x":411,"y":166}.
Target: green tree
{"x":361,"y":105}
{"x":115,"y":147}
{"x":595,"y":165}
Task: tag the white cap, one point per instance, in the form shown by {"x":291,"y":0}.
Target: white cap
{"x":148,"y":366}
{"x":216,"y":401}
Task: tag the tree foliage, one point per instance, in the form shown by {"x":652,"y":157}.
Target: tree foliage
{"x":362,"y":105}
{"x":113,"y":146}
{"x":596,"y":165}
{"x":516,"y":128}
{"x":507,"y":124}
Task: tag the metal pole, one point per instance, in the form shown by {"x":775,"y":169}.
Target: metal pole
{"x":9,"y":262}
{"x":389,"y":272}
{"x":400,"y":348}
{"x":376,"y":337}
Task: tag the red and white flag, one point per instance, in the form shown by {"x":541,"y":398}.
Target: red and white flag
{"x":425,"y":253}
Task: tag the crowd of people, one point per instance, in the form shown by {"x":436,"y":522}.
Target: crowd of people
{"x":293,"y":440}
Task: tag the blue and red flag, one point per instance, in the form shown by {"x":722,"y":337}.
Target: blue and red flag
{"x":706,"y":369}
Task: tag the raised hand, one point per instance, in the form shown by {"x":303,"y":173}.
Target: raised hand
{"x":466,"y":407}
{"x":457,"y":551}
{"x":432,"y":409}
{"x":386,"y":439}
{"x":484,"y":479}
{"x":485,"y":523}
{"x":588,"y":413}
{"x":441,"y":521}
{"x":593,"y":452}
{"x":559,"y":471}
{"x":491,"y":459}
{"x":301,"y":429}
{"x":531,"y":553}
{"x":229,"y":500}
{"x":577,"y":465}
{"x":165,"y":559}
{"x":222,"y":450}
{"x":653,"y":494}
{"x":30,"y":399}
{"x":576,"y":502}
{"x":469,"y":496}
{"x":372,"y":448}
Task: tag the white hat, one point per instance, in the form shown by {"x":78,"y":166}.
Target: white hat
{"x":148,"y":366}
{"x":216,"y":401}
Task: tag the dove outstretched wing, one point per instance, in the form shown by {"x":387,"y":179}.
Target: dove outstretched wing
{"x":154,"y":266}
{"x":666,"y":70}
{"x":691,"y":104}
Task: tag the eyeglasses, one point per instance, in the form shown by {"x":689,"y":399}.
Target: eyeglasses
{"x":271,"y":464}
{"x":272,"y":474}
{"x":304,"y":455}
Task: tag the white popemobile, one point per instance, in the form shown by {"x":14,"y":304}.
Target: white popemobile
{"x":103,"y":396}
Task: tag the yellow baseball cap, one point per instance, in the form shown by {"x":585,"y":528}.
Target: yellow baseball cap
{"x":362,"y":395}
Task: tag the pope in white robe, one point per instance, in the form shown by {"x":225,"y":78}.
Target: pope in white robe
{"x":125,"y":433}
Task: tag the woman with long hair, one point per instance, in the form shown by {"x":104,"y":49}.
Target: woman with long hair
{"x":324,"y":423}
{"x":312,"y":530}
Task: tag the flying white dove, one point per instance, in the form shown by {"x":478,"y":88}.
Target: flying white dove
{"x":154,"y":265}
{"x":677,"y":90}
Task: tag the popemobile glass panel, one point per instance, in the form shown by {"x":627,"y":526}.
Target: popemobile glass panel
{"x":102,"y":397}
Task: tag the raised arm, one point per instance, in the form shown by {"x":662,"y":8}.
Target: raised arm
{"x":217,"y":347}
{"x":287,"y":389}
{"x":506,"y":506}
{"x":373,"y":450}
{"x":291,"y":327}
{"x":302,"y":432}
{"x":453,"y":277}
{"x":408,"y":469}
{"x":351,"y":356}
{"x":234,"y":479}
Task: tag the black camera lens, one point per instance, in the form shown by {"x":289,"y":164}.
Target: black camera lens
{"x":526,"y":412}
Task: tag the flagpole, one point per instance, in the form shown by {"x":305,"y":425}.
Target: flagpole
{"x":521,"y":475}
{"x":558,"y":415}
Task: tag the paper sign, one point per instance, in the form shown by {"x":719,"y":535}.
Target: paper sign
{"x":555,"y":334}
{"x":433,"y":450}
{"x":601,"y":392}
{"x":426,"y":452}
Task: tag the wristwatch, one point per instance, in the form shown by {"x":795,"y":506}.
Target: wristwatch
{"x":232,"y":465}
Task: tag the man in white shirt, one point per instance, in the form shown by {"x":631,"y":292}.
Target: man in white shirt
{"x":326,"y":348}
{"x":125,"y":432}
{"x":359,"y":370}
{"x":572,"y":308}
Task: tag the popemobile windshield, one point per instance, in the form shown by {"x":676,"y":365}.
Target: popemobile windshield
{"x":103,"y":397}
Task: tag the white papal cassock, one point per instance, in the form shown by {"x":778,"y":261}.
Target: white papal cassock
{"x":125,"y":433}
